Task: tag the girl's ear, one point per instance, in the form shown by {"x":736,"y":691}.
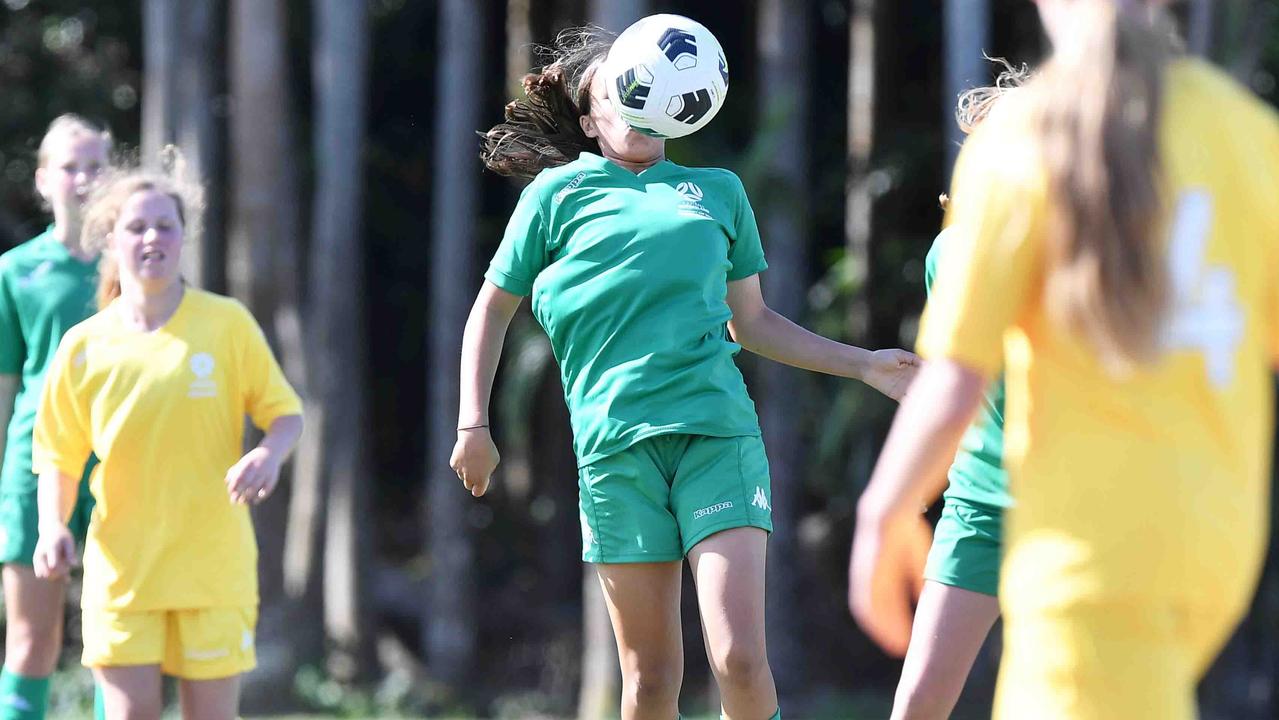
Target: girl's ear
{"x":41,"y":176}
{"x":588,"y":126}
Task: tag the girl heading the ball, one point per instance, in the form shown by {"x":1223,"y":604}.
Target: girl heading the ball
{"x":644,"y":275}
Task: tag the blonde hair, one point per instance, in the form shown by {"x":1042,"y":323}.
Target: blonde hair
{"x":68,"y":125}
{"x":976,"y":103}
{"x":1097,"y":102}
{"x":103,"y":211}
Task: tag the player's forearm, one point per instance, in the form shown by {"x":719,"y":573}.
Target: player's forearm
{"x":8,"y":396}
{"x":770,"y":335}
{"x":911,"y":471}
{"x":55,"y":498}
{"x":482,"y":342}
{"x":282,"y":436}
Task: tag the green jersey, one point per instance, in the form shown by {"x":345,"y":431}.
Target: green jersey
{"x":977,"y":476}
{"x":629,"y":275}
{"x":43,"y":292}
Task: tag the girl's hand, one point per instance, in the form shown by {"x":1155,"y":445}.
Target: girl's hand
{"x":885,"y":577}
{"x":55,"y":553}
{"x":891,"y":371}
{"x":254,"y":477}
{"x":474,"y":459}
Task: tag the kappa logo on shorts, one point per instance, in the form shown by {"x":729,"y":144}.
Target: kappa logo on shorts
{"x":717,"y":507}
{"x":761,"y":500}
{"x":203,"y":386}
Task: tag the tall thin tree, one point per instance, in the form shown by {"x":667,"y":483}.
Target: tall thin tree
{"x":784,"y":82}
{"x":967,"y":31}
{"x":859,"y":197}
{"x":336,"y":321}
{"x":450,"y":627}
{"x":181,"y":57}
{"x":264,"y":212}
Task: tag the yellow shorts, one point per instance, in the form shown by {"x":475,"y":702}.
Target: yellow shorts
{"x":1108,"y":661}
{"x":201,"y":644}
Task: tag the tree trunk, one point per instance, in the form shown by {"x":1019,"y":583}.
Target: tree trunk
{"x":450,"y":628}
{"x":1199,"y":29}
{"x":601,"y":686}
{"x":861,"y":137}
{"x":181,"y":59}
{"x":198,"y":135}
{"x":159,"y":57}
{"x":966,"y":38}
{"x":264,"y":211}
{"x":785,"y":91}
{"x":519,"y":43}
{"x":339,"y":67}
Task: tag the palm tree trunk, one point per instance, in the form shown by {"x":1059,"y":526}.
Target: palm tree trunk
{"x":784,"y":82}
{"x":339,"y":69}
{"x":450,"y":627}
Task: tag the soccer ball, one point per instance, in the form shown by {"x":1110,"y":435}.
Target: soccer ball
{"x":666,"y":76}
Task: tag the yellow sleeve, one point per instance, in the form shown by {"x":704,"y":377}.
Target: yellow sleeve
{"x":992,"y":261}
{"x":268,"y":395}
{"x":63,"y":438}
{"x":1274,"y":241}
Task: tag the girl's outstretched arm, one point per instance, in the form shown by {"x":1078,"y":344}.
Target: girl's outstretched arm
{"x":891,"y":539}
{"x":759,"y":329}
{"x":475,"y":456}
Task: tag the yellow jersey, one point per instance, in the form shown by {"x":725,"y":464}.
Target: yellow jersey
{"x":1154,"y":485}
{"x":164,"y":412}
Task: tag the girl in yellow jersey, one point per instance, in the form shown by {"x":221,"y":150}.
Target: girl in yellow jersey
{"x":1117,"y":251}
{"x":157,"y":385}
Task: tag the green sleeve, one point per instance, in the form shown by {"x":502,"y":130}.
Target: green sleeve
{"x":745,"y":252}
{"x":12,"y":348}
{"x":523,"y":252}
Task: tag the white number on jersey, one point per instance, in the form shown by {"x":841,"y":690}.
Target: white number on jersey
{"x":1205,"y":314}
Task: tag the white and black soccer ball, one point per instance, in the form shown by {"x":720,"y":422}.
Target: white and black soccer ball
{"x":667,"y":76}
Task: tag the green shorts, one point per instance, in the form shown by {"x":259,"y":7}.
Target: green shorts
{"x":655,"y":500}
{"x":966,"y":545}
{"x":19,"y":523}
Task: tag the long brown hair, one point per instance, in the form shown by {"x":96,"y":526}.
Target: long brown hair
{"x":542,"y":129}
{"x":1098,"y":101}
{"x":103,"y":210}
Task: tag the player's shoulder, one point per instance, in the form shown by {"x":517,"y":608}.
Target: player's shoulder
{"x":24,"y":255}
{"x":1203,"y":86}
{"x":216,"y":308}
{"x":713,"y":176}
{"x":555,"y":180}
{"x":938,"y":248}
{"x":101,"y":323}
